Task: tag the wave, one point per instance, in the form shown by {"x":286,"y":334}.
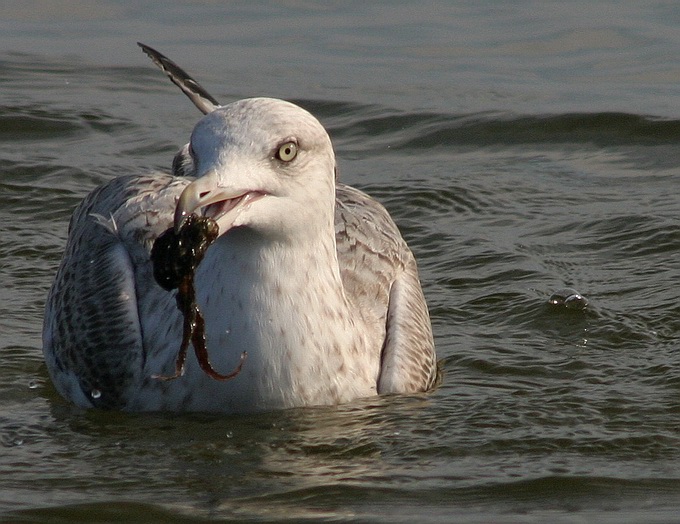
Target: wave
{"x":500,"y":128}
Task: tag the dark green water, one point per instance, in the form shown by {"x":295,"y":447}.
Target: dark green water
{"x":521,"y":148}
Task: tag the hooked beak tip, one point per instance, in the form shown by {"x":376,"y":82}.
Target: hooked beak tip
{"x":191,"y":198}
{"x":181,"y":217}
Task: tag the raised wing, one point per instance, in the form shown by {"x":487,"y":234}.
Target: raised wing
{"x":199,"y":96}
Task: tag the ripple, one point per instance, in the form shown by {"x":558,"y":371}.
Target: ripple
{"x":405,"y":132}
{"x":542,"y":410}
{"x":21,"y":123}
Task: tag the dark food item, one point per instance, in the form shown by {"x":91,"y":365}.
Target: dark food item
{"x":175,"y":257}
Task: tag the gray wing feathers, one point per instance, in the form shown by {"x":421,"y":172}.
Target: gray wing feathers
{"x":91,"y":315}
{"x":381,"y":280}
{"x":408,"y":361}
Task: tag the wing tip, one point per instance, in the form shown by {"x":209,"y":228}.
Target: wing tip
{"x":203,"y":100}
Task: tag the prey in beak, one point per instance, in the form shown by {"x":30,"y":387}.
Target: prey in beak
{"x":176,"y":253}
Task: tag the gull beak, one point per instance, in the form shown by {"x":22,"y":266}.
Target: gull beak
{"x":224,"y":204}
{"x":199,"y":193}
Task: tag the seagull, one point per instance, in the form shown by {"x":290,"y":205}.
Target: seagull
{"x":308,"y":276}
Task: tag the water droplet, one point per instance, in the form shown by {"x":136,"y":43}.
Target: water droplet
{"x":576,"y":301}
{"x":95,"y":394}
{"x":568,"y":298}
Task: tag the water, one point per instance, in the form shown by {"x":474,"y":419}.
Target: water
{"x":522,"y":149}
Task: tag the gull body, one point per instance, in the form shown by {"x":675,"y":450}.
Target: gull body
{"x":309,"y":276}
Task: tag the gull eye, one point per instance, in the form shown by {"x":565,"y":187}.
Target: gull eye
{"x":287,"y":151}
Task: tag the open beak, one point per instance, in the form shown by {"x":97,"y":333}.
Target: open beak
{"x":221,"y":204}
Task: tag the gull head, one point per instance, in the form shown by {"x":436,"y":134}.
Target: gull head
{"x":259,"y":163}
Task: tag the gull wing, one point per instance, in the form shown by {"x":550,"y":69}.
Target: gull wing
{"x":104,"y":292}
{"x":381,"y":281}
{"x":199,"y":96}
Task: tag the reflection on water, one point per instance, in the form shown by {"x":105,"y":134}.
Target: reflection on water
{"x":522,"y":151}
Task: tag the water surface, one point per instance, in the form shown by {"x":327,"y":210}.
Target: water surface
{"x":521,"y":149}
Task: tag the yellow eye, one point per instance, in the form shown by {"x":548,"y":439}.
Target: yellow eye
{"x":287,"y":151}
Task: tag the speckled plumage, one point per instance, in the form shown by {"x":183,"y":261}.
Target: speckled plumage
{"x":311,"y":277}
